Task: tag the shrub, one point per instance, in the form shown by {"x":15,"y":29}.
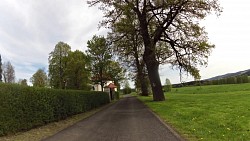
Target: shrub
{"x":23,"y":107}
{"x":117,"y":95}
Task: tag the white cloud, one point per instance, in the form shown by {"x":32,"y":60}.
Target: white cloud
{"x":29,"y":30}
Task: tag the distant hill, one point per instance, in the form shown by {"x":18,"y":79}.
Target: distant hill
{"x":224,"y":76}
{"x":245,"y":72}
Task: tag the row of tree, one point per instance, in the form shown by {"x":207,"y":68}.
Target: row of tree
{"x":77,"y":70}
{"x":145,"y":34}
{"x":7,"y":75}
{"x":73,"y":69}
{"x":230,"y":80}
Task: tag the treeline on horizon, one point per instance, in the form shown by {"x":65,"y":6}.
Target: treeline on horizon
{"x":230,"y":80}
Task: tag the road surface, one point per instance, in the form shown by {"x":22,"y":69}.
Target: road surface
{"x":126,"y":120}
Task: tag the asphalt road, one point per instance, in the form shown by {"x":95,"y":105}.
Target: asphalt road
{"x":127,"y":120}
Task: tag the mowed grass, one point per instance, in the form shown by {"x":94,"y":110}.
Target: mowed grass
{"x":208,"y":112}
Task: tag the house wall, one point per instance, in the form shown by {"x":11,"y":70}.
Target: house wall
{"x":97,"y":87}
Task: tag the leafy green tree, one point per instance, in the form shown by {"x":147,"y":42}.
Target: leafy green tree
{"x":99,"y":53}
{"x":128,"y":45}
{"x":127,"y":89}
{"x":77,"y":73}
{"x":116,"y":73}
{"x":39,"y":78}
{"x":58,"y":65}
{"x":171,"y":23}
{"x":8,"y":72}
{"x":23,"y":82}
{"x":1,"y":70}
{"x":168,"y":85}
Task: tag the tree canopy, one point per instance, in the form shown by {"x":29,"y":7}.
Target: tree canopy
{"x":77,"y":73}
{"x":39,"y":78}
{"x":57,"y":65}
{"x":67,"y":69}
{"x":103,"y":67}
{"x":170,"y":31}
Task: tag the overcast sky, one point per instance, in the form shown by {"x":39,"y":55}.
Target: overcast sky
{"x":30,"y":29}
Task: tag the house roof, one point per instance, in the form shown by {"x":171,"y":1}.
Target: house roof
{"x":111,"y":85}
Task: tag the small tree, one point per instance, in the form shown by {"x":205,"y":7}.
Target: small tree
{"x":39,"y":79}
{"x":8,"y":72}
{"x":168,"y":86}
{"x":23,"y":82}
{"x":1,"y":70}
{"x":127,"y":89}
{"x":99,"y":53}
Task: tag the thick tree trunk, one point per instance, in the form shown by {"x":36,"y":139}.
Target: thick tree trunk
{"x":155,"y":81}
{"x":149,"y":58}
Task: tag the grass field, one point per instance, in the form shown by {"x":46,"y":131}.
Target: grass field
{"x":210,"y":113}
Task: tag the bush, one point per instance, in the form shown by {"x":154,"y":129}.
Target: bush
{"x":167,"y":88}
{"x":117,"y":95}
{"x":23,"y":107}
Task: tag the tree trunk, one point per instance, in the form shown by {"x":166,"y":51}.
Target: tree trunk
{"x":149,"y":58}
{"x":155,"y":81}
{"x":142,"y":82}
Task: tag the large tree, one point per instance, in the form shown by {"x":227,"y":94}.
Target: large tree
{"x":99,"y":53}
{"x":115,"y":72}
{"x":58,"y":65}
{"x":77,"y":71}
{"x":166,"y":27}
{"x":8,"y":72}
{"x":128,"y":45}
{"x":1,"y":70}
{"x":39,"y":78}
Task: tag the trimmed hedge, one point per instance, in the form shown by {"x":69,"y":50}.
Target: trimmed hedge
{"x":22,"y":108}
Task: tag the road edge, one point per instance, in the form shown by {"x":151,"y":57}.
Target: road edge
{"x":176,"y":134}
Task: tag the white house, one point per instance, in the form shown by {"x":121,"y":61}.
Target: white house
{"x":108,"y":87}
{"x":98,"y":87}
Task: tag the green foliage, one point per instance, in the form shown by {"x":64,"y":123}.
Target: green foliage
{"x":213,"y":113}
{"x":170,"y":31}
{"x":100,"y":56}
{"x":67,"y":69}
{"x":102,"y":66}
{"x":77,"y":74}
{"x":23,"y":108}
{"x":127,"y":89}
{"x":168,"y":86}
{"x":231,"y":80}
{"x":23,"y":82}
{"x":39,"y":79}
{"x":57,"y":65}
{"x":117,"y":95}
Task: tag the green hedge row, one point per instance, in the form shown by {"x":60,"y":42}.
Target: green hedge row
{"x":22,"y":108}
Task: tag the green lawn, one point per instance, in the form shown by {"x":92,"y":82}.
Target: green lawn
{"x":208,"y":112}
